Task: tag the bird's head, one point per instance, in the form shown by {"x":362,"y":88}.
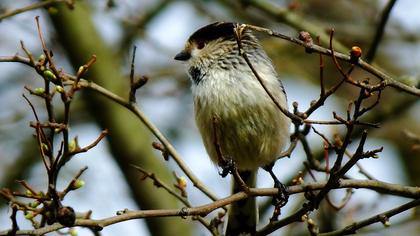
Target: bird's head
{"x":214,"y":42}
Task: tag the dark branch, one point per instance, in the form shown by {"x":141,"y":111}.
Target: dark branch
{"x":379,"y":31}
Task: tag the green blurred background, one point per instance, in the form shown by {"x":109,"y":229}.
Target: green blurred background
{"x":159,"y":28}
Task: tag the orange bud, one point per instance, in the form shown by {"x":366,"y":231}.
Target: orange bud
{"x":355,"y":51}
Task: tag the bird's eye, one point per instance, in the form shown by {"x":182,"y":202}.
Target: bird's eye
{"x":201,"y":44}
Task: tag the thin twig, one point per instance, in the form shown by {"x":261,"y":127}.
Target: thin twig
{"x":40,"y":136}
{"x":27,"y":52}
{"x":152,"y":128}
{"x":159,"y":183}
{"x":386,"y":80}
{"x":344,"y":201}
{"x":362,"y":170}
{"x":101,"y":136}
{"x":82,"y":70}
{"x":289,"y":150}
{"x":70,"y":186}
{"x":382,"y":217}
{"x":32,"y":108}
{"x":27,"y":186}
{"x":238,"y":35}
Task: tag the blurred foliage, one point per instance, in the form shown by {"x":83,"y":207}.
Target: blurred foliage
{"x":117,"y":25}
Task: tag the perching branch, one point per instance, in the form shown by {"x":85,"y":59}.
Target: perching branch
{"x":202,"y":210}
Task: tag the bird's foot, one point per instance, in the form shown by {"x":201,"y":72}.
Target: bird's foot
{"x":228,"y":166}
{"x":280,"y":200}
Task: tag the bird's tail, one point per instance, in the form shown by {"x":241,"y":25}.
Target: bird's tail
{"x":243,"y":215}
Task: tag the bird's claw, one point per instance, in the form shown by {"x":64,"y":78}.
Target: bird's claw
{"x":227,"y":166}
{"x":282,"y":196}
{"x":280,"y":200}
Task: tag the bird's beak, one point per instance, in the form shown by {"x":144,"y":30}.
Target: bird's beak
{"x":182,"y":56}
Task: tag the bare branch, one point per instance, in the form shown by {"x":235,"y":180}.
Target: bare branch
{"x":159,"y":183}
{"x":152,"y":128}
{"x":92,"y":145}
{"x":71,"y":186}
{"x":238,"y":35}
{"x":386,"y":80}
{"x":382,"y":217}
{"x":381,"y":187}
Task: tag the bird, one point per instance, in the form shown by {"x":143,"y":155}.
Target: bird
{"x":235,"y":115}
